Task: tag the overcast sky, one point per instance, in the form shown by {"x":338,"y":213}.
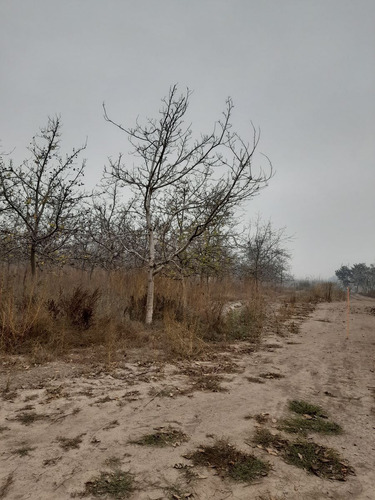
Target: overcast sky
{"x":301,"y":70}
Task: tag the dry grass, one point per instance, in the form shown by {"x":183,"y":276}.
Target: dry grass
{"x":117,"y":484}
{"x":106,"y":309}
{"x":67,"y":309}
{"x":162,"y":437}
{"x":70,"y":443}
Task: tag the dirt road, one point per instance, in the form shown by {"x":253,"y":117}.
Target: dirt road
{"x":61,"y":424}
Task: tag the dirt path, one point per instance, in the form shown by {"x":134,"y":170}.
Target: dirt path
{"x":43,"y":407}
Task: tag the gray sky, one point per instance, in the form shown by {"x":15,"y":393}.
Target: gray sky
{"x":301,"y":70}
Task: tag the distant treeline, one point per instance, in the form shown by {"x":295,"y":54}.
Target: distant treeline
{"x":359,"y":277}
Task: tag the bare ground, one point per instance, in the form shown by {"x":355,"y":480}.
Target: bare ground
{"x":41,"y":408}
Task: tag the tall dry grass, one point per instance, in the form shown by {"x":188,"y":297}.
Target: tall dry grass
{"x":68,"y":308}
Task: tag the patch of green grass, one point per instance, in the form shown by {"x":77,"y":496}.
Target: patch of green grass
{"x":301,"y":425}
{"x":167,"y":437}
{"x":315,"y":459}
{"x":319,"y":460}
{"x":264,"y":438}
{"x":230,"y":462}
{"x":117,"y":484}
{"x":304,"y":408}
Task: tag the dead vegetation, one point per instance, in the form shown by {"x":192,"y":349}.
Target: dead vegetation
{"x":70,"y":443}
{"x":116,"y":484}
{"x":28,"y":418}
{"x":105,"y":310}
{"x":23,"y":451}
{"x":162,"y":437}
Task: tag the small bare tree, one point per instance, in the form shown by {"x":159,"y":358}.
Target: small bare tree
{"x":39,"y":197}
{"x":182,"y":186}
{"x":265,"y":256}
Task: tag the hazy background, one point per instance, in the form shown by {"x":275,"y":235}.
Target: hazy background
{"x":301,"y":70}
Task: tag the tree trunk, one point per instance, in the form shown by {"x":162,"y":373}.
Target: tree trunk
{"x":150,"y":296}
{"x":150,"y":278}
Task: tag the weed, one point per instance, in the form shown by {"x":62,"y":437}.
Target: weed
{"x":209,"y":383}
{"x":79,"y":307}
{"x":117,"y":484}
{"x":167,"y":437}
{"x":51,"y":461}
{"x":304,"y":408}
{"x":53,"y":393}
{"x":23,"y":451}
{"x":230,"y":462}
{"x":261,"y":418}
{"x":319,"y":460}
{"x":303,"y":425}
{"x":70,"y":443}
{"x":29,"y":418}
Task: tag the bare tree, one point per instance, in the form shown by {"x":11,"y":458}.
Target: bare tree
{"x":184,"y":182}
{"x":39,"y":197}
{"x":265,"y":256}
{"x":107,"y":230}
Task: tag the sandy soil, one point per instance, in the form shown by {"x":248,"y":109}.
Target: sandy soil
{"x":105,"y":411}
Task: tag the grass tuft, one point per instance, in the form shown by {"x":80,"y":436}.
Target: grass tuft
{"x":230,"y":462}
{"x":304,"y":408}
{"x":117,"y":484}
{"x":70,"y":443}
{"x":23,"y":451}
{"x":161,"y":438}
{"x":315,"y":459}
{"x":303,"y":426}
{"x":29,"y":418}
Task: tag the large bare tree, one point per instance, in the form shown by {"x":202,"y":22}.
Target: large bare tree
{"x":39,"y":198}
{"x":181,"y":185}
